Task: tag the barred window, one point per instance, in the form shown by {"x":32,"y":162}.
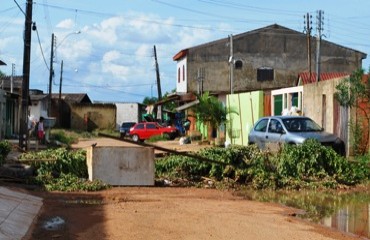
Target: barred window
{"x":265,"y":74}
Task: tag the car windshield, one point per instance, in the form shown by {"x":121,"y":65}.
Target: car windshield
{"x":301,"y":125}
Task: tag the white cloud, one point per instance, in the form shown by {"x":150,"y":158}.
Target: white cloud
{"x":106,"y":31}
{"x":66,"y":24}
{"x":109,"y":65}
{"x":74,"y":50}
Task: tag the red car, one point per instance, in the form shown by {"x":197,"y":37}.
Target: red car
{"x":145,"y":130}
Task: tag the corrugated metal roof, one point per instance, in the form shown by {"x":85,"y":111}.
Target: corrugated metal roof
{"x":304,"y":77}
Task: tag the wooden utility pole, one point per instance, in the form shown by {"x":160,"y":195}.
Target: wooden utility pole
{"x":157,"y":74}
{"x":60,"y":95}
{"x":319,"y":28}
{"x":159,"y":107}
{"x":51,"y":73}
{"x":23,"y":120}
{"x":307,"y":30}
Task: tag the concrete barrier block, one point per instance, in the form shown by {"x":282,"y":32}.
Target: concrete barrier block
{"x":121,"y":166}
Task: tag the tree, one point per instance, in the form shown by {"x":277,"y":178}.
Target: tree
{"x":351,"y":92}
{"x":210,"y":111}
{"x":150,"y":100}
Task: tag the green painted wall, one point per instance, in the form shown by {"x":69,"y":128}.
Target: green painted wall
{"x":202,"y":129}
{"x":249,"y":107}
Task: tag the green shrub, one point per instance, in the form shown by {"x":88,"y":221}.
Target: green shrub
{"x":69,"y":183}
{"x":157,"y":138}
{"x":65,"y":138}
{"x":309,"y":165}
{"x":64,"y":170}
{"x":61,"y":161}
{"x":5,"y":148}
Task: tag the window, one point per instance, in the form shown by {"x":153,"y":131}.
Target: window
{"x":238,"y":64}
{"x":275,"y":126}
{"x":140,"y":126}
{"x":265,"y":74}
{"x":183,"y":73}
{"x":261,"y":126}
{"x":150,"y":126}
{"x":178,"y":75}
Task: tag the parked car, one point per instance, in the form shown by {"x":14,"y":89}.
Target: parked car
{"x":145,"y":130}
{"x":272,"y":131}
{"x":125,"y":128}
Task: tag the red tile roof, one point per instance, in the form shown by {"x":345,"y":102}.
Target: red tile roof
{"x":304,"y":77}
{"x":180,"y":54}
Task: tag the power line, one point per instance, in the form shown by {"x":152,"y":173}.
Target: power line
{"x":42,"y":52}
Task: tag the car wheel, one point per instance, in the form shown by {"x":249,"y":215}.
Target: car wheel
{"x":135,"y":138}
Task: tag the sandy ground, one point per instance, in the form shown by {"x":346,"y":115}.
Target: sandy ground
{"x":153,"y":213}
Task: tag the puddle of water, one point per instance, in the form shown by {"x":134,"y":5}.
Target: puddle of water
{"x":351,"y":218}
{"x":55,"y":223}
{"x":347,"y":212}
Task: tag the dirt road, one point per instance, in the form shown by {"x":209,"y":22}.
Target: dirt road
{"x":153,"y":213}
{"x":171,"y":213}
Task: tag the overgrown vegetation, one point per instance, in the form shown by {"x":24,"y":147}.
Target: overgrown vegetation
{"x":354,"y":92}
{"x":157,"y":138}
{"x":70,"y":137}
{"x":5,"y":148}
{"x":61,"y":169}
{"x":309,"y":165}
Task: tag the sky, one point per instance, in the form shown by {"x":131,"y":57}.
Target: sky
{"x":107,"y":46}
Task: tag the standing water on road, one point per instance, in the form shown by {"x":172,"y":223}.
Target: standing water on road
{"x":346,"y":211}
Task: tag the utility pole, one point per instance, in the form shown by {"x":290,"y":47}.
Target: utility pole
{"x":23,"y":124}
{"x":159,"y":107}
{"x":307,"y":30}
{"x":12,"y":78}
{"x":60,"y":94}
{"x":319,"y":29}
{"x":51,"y":73}
{"x":231,"y":64}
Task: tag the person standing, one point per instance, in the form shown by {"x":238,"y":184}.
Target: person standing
{"x":40,"y":130}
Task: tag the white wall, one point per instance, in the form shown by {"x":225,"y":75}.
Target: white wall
{"x":39,"y":110}
{"x":181,"y":81}
{"x":127,"y":112}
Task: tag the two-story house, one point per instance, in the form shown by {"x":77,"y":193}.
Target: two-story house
{"x":264,"y":59}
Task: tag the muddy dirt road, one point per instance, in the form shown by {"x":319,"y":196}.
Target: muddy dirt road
{"x":167,"y":213}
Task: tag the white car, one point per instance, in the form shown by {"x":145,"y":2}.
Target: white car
{"x":272,"y":131}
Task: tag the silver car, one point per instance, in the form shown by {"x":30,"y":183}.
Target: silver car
{"x":270,"y":132}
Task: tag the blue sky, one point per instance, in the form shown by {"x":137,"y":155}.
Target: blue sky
{"x":112,"y":58}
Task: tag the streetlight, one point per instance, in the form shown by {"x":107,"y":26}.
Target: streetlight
{"x":69,"y":34}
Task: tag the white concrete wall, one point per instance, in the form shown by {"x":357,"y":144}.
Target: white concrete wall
{"x":181,"y":81}
{"x":38,"y":110}
{"x":121,"y":166}
{"x":127,"y":112}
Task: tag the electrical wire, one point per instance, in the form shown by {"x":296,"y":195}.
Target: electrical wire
{"x":20,"y":8}
{"x":42,"y":52}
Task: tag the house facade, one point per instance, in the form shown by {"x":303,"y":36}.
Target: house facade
{"x":10,"y":98}
{"x":266,"y":58}
{"x":270,"y":59}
